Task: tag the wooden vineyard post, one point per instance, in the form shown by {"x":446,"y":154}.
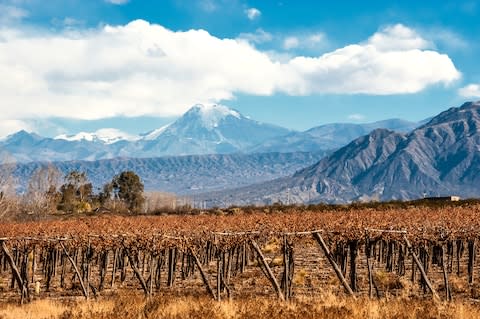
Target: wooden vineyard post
{"x":286,"y":264}
{"x":152,"y":272}
{"x":84,"y":290}
{"x":329,"y":256}
{"x":114,"y":267}
{"x":448,"y":293}
{"x":228,"y":269}
{"x":138,"y":274}
{"x":219,"y":279}
{"x":103,"y":269}
{"x":64,"y":266}
{"x":244,"y":257}
{"x":87,"y":267}
{"x":268,"y":271}
{"x":369,"y":265}
{"x":459,"y":254}
{"x":21,"y":284}
{"x":353,"y":264}
{"x":172,"y":260}
{"x":34,"y":263}
{"x":422,"y":270}
{"x":471,"y":260}
{"x":203,"y":275}
{"x":224,"y":274}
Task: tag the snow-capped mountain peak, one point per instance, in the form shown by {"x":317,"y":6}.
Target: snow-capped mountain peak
{"x":105,"y":135}
{"x":212,"y":114}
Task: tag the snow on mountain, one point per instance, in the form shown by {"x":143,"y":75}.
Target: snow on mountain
{"x":106,"y":136}
{"x":203,"y":129}
{"x":209,"y":129}
{"x":212,"y":114}
{"x":152,"y":135}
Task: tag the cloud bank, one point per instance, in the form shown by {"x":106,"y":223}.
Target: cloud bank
{"x":146,"y":69}
{"x":471,"y":90}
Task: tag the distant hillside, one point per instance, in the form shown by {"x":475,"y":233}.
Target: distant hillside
{"x":186,"y":174}
{"x":329,"y":136}
{"x":442,"y":157}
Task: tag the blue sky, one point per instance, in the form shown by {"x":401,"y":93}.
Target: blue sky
{"x":135,"y":65}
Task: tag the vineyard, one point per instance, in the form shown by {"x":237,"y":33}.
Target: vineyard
{"x":414,"y":251}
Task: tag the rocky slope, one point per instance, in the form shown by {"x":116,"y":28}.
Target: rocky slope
{"x":441,"y":157}
{"x":184,"y":174}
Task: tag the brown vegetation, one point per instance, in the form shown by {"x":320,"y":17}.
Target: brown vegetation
{"x":420,"y":223}
{"x":324,"y":306}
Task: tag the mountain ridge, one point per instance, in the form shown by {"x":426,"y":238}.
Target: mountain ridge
{"x":183,"y":175}
{"x":440,"y":158}
{"x":204,"y":129}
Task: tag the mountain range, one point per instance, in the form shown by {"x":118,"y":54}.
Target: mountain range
{"x":183,"y":175}
{"x":204,"y":129}
{"x":439,"y":158}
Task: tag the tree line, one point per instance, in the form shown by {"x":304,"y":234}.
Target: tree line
{"x":47,"y":193}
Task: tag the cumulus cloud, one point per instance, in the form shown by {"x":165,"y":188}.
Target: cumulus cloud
{"x":253,"y":13}
{"x":471,"y":90}
{"x":380,"y":66}
{"x":398,"y":37}
{"x":146,"y":69}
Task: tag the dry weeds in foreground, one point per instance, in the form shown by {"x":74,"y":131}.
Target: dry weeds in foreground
{"x":327,"y":306}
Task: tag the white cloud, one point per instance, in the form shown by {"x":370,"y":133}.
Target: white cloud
{"x":398,"y":37}
{"x":10,"y":13}
{"x":379,"y":66}
{"x":310,"y":41}
{"x":117,"y":2}
{"x":315,"y":38}
{"x":291,"y":43}
{"x":129,"y":70}
{"x":146,"y":69}
{"x":259,"y":36}
{"x":253,"y":13}
{"x":9,"y":126}
{"x":356,"y":117}
{"x":471,"y":90}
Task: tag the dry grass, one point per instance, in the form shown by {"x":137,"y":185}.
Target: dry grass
{"x":325,"y":306}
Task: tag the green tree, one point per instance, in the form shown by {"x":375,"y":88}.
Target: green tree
{"x":76,"y":192}
{"x":105,"y":194}
{"x":128,"y":188}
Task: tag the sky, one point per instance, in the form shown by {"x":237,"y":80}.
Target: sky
{"x":135,"y":65}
